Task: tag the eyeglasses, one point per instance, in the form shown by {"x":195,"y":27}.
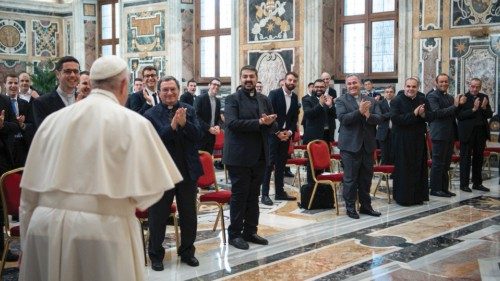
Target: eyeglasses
{"x":149,"y":75}
{"x":215,"y":84}
{"x":70,"y":71}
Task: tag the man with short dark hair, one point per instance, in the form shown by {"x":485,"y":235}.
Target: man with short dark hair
{"x":369,"y":91}
{"x":148,"y":97}
{"x":83,"y":88}
{"x":207,"y":108}
{"x":189,"y":95}
{"x":68,"y":76}
{"x":138,"y":86}
{"x":384,"y":129}
{"x":258,"y":87}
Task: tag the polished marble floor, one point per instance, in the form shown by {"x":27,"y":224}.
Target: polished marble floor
{"x":454,"y":238}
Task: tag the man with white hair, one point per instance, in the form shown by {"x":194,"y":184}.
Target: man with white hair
{"x":90,"y":166}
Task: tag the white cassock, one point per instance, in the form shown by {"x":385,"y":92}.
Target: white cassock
{"x":89,"y":167}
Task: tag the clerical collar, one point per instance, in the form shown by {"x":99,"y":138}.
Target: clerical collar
{"x":150,"y":92}
{"x":62,"y":93}
{"x":171,"y":107}
{"x":249,"y":93}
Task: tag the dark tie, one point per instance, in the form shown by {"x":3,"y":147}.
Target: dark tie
{"x":13,"y":102}
{"x":155,"y":98}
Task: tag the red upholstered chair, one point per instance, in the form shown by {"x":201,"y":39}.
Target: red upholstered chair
{"x":142,"y":216}
{"x":297,"y":162}
{"x":296,"y":139}
{"x":491,"y":151}
{"x":11,"y":199}
{"x":217,"y":197}
{"x":319,"y":160}
{"x":384,"y":172}
{"x":218,"y":147}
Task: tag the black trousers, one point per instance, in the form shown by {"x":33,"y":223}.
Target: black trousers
{"x":441,"y":160}
{"x":185,"y":194}
{"x":207,"y":143}
{"x":278,"y":151}
{"x":385,"y":147}
{"x":358,"y":174}
{"x":473,"y":148}
{"x":244,"y":204}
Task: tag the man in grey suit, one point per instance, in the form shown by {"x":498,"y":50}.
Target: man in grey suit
{"x":358,"y":116}
{"x":249,"y":120}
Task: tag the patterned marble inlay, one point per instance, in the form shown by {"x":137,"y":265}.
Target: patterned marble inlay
{"x":430,"y":61}
{"x":90,"y":43}
{"x":187,"y":44}
{"x":270,"y":20}
{"x":146,"y":31}
{"x":431,"y":14}
{"x":12,"y":37}
{"x":430,"y":226}
{"x":45,"y":38}
{"x":475,"y":12}
{"x":272,"y":66}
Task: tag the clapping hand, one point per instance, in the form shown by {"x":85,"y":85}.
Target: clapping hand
{"x":283,"y":135}
{"x":484,"y":104}
{"x":267,"y":119}
{"x":147,"y":97}
{"x":2,"y":118}
{"x":477,"y":103}
{"x":364,"y":107}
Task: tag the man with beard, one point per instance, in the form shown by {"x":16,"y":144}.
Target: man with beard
{"x":68,"y":76}
{"x":83,"y":88}
{"x":410,"y":185}
{"x":441,"y":114}
{"x":249,"y":119}
{"x":384,"y":129}
{"x":148,"y":97}
{"x":286,"y":106}
{"x":473,"y":131}
{"x":358,"y":115}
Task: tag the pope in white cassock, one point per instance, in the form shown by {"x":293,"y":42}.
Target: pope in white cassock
{"x":90,"y":166}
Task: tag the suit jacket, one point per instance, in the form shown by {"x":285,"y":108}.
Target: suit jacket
{"x":355,"y":130}
{"x":204,"y":111}
{"x":468,"y":119}
{"x":317,"y":117}
{"x":332,"y":92}
{"x":288,"y":119}
{"x":383,"y":127}
{"x":7,"y":132}
{"x":441,"y":113}
{"x":304,"y":98}
{"x":187,"y":98}
{"x":45,"y":105}
{"x":29,"y":130}
{"x":185,"y":139}
{"x":137,"y":102}
{"x":244,"y":138}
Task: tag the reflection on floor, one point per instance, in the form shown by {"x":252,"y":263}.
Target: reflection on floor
{"x":445,"y":239}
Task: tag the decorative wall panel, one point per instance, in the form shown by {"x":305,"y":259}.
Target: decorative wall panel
{"x":187,"y":44}
{"x":270,"y":20}
{"x":90,"y":43}
{"x":146,"y":31}
{"x":45,"y":38}
{"x":431,"y":14}
{"x":429,"y":61}
{"x":68,"y":32}
{"x":137,"y":64}
{"x":271,"y":66}
{"x":475,"y":12}
{"x":12,"y":37}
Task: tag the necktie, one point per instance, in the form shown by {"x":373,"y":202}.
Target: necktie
{"x":155,"y":98}
{"x":13,"y":102}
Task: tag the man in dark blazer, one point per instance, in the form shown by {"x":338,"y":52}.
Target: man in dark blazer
{"x":207,"y":108}
{"x":319,"y":114}
{"x":384,"y":128}
{"x":358,"y":115}
{"x":325,"y":76}
{"x":190,"y":93}
{"x":473,"y":131}
{"x":441,"y":112}
{"x":248,"y":119}
{"x":148,"y":97}
{"x":68,"y":77}
{"x":286,"y":107}
{"x":178,"y":127}
{"x":369,"y":91}
{"x":25,"y":91}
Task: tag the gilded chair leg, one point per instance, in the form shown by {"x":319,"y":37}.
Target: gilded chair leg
{"x":335,"y":200}
{"x":312,"y":195}
{"x":388,"y":187}
{"x":143,"y":242}
{"x":222,"y":224}
{"x":4,"y":254}
{"x":376,"y":187}
{"x":217,"y":218}
{"x":176,"y":230}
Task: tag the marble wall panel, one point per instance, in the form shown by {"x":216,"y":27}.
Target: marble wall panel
{"x":431,"y":14}
{"x":187,"y":44}
{"x":272,"y":66}
{"x":429,"y":62}
{"x":45,"y":38}
{"x":146,"y":31}
{"x":270,"y":20}
{"x":474,"y":12}
{"x":137,"y":64}
{"x":13,"y":37}
{"x":328,"y":34}
{"x":90,"y":42}
{"x":68,"y":32}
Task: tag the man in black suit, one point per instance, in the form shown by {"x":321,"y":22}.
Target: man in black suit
{"x":207,"y":108}
{"x":178,"y":127}
{"x":310,"y":88}
{"x":68,"y":76}
{"x":25,"y":91}
{"x":325,"y":76}
{"x":384,"y":129}
{"x":441,"y":112}
{"x":286,"y":107}
{"x":369,"y":91}
{"x":148,"y":97}
{"x":190,"y":94}
{"x":358,"y":115}
{"x":319,"y":114}
{"x":248,"y":119}
{"x":473,"y":131}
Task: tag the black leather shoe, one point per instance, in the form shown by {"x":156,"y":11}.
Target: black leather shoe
{"x":285,"y":197}
{"x":157,"y":265}
{"x":256,"y":239}
{"x":352,"y":214}
{"x":466,"y":189}
{"x":440,"y":194}
{"x":370,"y":212}
{"x":191,"y":261}
{"x":480,"y":187}
{"x":11,"y":257}
{"x":289,"y":174}
{"x":239,"y":243}
{"x":266,"y":200}
{"x":450,"y":193}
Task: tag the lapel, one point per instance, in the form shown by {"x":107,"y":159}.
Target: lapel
{"x":352,"y":101}
{"x":282,"y":101}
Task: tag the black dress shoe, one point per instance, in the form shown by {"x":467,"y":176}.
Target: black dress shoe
{"x":370,"y":212}
{"x":157,"y":265}
{"x":239,"y":243}
{"x":191,"y":261}
{"x":440,"y":194}
{"x":266,"y":200}
{"x":11,"y":257}
{"x":450,"y":193}
{"x":256,"y":239}
{"x":352,"y":214}
{"x":285,"y":197}
{"x":466,"y":189}
{"x":288,"y":174}
{"x":480,"y":187}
